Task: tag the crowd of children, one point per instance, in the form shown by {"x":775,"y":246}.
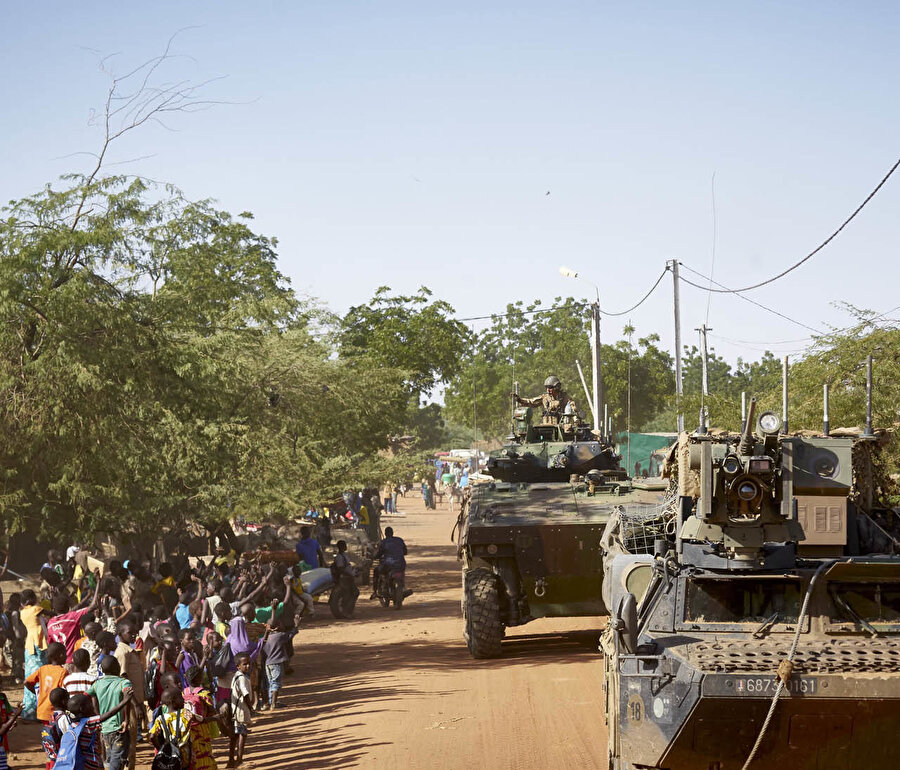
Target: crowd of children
{"x":115,"y":656}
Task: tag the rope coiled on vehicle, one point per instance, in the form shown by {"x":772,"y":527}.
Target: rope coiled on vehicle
{"x":786,"y":666}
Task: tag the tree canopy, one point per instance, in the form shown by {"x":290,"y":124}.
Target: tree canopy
{"x":155,"y":367}
{"x":527,"y":343}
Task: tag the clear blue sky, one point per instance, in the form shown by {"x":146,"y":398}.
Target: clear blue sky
{"x":410,"y":143}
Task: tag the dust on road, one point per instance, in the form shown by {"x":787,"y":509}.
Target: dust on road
{"x":398,"y":688}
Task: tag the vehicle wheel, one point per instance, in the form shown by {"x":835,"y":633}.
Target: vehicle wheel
{"x":398,"y":596}
{"x":334,"y":604}
{"x":483,"y":628}
{"x":383,"y":598}
{"x":611,"y":712}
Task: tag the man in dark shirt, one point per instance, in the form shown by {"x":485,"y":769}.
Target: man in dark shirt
{"x":391,"y":553}
{"x":309,"y":550}
{"x":392,"y":549}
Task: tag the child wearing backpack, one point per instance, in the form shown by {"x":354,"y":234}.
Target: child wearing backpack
{"x":220,"y":667}
{"x":80,"y":745}
{"x":171,"y":733}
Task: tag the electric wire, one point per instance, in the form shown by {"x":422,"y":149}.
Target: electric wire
{"x":642,"y":299}
{"x":715,"y":233}
{"x":762,"y":342}
{"x":821,"y":246}
{"x":572,"y":306}
{"x":747,"y":299}
{"x":755,"y":344}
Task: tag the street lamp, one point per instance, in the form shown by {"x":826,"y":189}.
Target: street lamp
{"x":567,"y":272}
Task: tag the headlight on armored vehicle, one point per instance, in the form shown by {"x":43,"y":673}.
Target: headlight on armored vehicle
{"x":747,"y":490}
{"x":769,"y":423}
{"x":732,"y":465}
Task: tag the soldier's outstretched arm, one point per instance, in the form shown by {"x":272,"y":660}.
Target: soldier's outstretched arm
{"x":536,"y":401}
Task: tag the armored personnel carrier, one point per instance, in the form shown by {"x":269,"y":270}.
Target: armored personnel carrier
{"x":762,"y":627}
{"x":533,"y":550}
{"x":530,"y":540}
{"x":553,"y":451}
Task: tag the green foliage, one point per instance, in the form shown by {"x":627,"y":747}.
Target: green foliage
{"x":839,"y":359}
{"x":415,"y":336}
{"x":525,"y":346}
{"x":410,"y":333}
{"x":155,"y":368}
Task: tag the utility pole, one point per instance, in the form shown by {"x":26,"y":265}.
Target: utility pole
{"x":474,"y":412}
{"x":673,"y":263}
{"x":595,"y":359}
{"x":628,"y":402}
{"x":784,"y":394}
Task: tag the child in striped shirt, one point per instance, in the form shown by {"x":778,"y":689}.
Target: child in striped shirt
{"x":81,"y":678}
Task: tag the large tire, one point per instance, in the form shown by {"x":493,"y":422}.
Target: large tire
{"x":382,"y":591}
{"x":483,"y":628}
{"x":334,"y":603}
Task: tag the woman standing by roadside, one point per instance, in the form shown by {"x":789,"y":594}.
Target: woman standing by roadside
{"x":34,"y":618}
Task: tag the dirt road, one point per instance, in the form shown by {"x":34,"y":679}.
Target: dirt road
{"x":398,"y":689}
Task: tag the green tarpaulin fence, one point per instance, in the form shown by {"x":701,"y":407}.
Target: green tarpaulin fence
{"x":637,"y":451}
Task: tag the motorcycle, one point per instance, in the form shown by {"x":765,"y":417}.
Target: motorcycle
{"x":390,"y":585}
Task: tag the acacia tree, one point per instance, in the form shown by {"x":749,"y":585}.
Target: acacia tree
{"x":156,"y":368}
{"x":414,"y":335}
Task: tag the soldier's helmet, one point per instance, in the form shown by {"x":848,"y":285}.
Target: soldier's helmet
{"x":552,"y":382}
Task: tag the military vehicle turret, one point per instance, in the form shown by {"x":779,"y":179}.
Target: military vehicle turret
{"x":552,"y":451}
{"x":529,"y":541}
{"x":762,"y":627}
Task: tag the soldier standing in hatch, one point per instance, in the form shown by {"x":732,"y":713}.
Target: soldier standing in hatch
{"x":553,"y":401}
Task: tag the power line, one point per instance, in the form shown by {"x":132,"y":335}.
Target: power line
{"x":821,"y":246}
{"x":715,"y":233}
{"x":753,"y":344}
{"x":747,"y":299}
{"x":642,"y":300}
{"x":762,"y":342}
{"x":763,"y":347}
{"x":573,"y":306}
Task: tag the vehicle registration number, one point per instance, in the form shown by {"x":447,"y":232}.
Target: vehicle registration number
{"x":806,"y":685}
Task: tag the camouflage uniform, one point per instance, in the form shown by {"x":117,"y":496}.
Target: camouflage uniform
{"x":554,"y":408}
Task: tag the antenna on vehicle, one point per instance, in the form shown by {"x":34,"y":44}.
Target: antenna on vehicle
{"x":869,"y":433}
{"x":784,"y":395}
{"x":825,"y":421}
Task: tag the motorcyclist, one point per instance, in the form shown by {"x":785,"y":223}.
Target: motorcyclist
{"x":391,"y":554}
